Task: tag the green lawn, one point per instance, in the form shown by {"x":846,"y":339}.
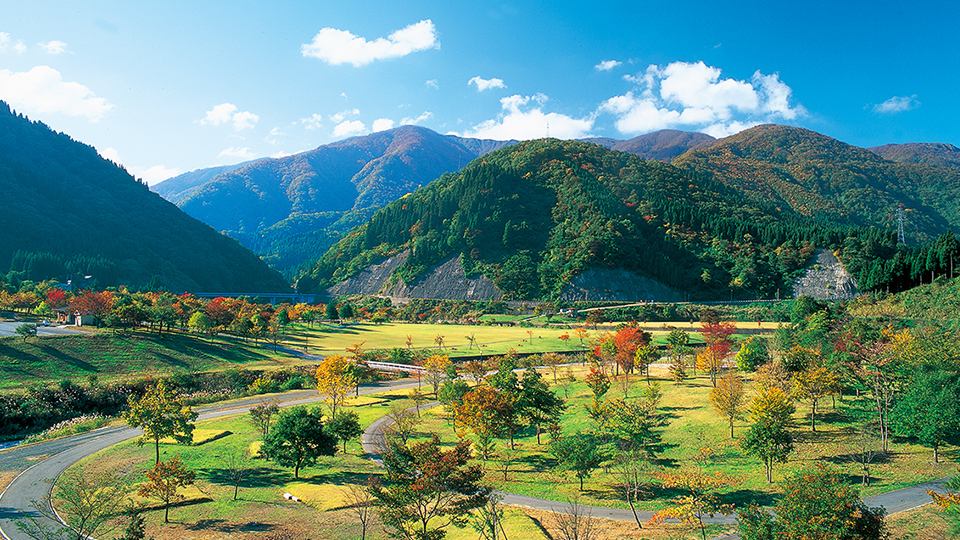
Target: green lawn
{"x":113,"y":357}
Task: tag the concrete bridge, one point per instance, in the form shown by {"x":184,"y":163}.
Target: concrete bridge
{"x":273,"y":298}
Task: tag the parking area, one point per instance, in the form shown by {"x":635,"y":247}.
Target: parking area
{"x":8,"y":329}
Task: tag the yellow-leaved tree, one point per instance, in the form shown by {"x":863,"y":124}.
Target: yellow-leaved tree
{"x":335,"y":378}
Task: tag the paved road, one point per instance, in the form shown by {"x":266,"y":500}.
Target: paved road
{"x":8,"y":329}
{"x":42,"y":463}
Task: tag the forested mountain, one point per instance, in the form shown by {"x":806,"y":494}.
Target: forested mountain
{"x":291,"y":209}
{"x":739,"y":217}
{"x":180,"y":187}
{"x":920,"y":153}
{"x":533,"y":216}
{"x":830,"y":182}
{"x":66,"y":209}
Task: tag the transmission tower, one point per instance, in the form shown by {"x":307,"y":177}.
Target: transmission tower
{"x":901,"y":239}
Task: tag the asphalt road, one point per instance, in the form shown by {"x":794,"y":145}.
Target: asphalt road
{"x":42,"y":463}
{"x":8,"y":329}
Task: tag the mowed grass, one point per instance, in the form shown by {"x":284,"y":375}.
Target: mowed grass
{"x":488,"y":340}
{"x":691,"y":425}
{"x":113,"y":357}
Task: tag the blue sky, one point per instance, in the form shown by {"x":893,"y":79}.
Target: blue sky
{"x":169,"y":87}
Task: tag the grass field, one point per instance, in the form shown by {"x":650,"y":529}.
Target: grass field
{"x":691,"y":425}
{"x":113,"y":357}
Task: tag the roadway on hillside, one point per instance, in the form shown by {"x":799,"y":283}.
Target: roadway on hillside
{"x":42,"y":463}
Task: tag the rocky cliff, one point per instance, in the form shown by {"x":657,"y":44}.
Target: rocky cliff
{"x":825,"y":279}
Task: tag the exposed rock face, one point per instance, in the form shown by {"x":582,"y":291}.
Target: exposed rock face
{"x":445,"y":281}
{"x":608,"y":284}
{"x":825,"y":279}
{"x":370,"y":280}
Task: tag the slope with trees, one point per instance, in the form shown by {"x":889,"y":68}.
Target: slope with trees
{"x":69,"y":211}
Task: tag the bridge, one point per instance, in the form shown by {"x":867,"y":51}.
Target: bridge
{"x":274,"y":297}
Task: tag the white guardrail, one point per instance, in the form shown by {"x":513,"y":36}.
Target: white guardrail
{"x":387,"y":366}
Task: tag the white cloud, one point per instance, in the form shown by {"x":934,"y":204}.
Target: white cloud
{"x":4,"y":41}
{"x":237,"y":152}
{"x":244,"y":120}
{"x":348,"y":128}
{"x":516,"y":123}
{"x":607,"y":65}
{"x":897,"y":104}
{"x":53,"y":47}
{"x":382,"y":124}
{"x":229,"y":113}
{"x":20,"y":47}
{"x":432,"y":83}
{"x":156,"y":174}
{"x":43,"y":90}
{"x":274,"y":136}
{"x":111,"y":154}
{"x":336,"y":118}
{"x":426,"y":115}
{"x":280,"y":154}
{"x":314,"y":121}
{"x":337,"y":47}
{"x":694,"y":95}
{"x":485,"y":84}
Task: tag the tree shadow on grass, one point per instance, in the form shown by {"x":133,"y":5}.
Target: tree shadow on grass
{"x":222,"y":525}
{"x":854,"y":457}
{"x":256,"y":478}
{"x":742,"y":498}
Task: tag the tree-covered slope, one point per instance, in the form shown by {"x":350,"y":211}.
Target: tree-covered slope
{"x":831,"y":182}
{"x":920,"y":153}
{"x":534,"y":215}
{"x":180,"y":187}
{"x":291,"y":209}
{"x":61,"y":198}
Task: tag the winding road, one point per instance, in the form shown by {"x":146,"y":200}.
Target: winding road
{"x":40,"y":464}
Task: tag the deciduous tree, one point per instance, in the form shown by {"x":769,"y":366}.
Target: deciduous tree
{"x":424,"y":489}
{"x":579,"y":452}
{"x":345,"y":426}
{"x":335,"y":379}
{"x":88,"y":502}
{"x":812,"y":385}
{"x":160,"y":415}
{"x":769,"y":437}
{"x":298,"y":439}
{"x":727,"y":398}
{"x":164,"y":481}
{"x":930,"y":411}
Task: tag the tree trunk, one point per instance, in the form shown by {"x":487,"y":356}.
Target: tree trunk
{"x":731,"y":428}
{"x":157,"y":442}
{"x":936,"y":455}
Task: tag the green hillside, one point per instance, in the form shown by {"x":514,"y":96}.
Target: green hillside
{"x":831,"y":182}
{"x":534,"y":215}
{"x":66,"y":210}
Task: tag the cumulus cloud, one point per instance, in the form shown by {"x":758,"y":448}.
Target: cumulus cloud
{"x":274,"y":136}
{"x":53,"y":47}
{"x":339,"y":117}
{"x":337,"y":47}
{"x":156,"y":174}
{"x":522,"y":117}
{"x":382,"y":124}
{"x":229,"y":113}
{"x":432,"y":83}
{"x":6,"y":43}
{"x":313,"y":121}
{"x":43,"y":90}
{"x":485,"y":84}
{"x":348,"y":128}
{"x":426,"y":115}
{"x":607,"y":65}
{"x":897,"y":104}
{"x":20,"y":47}
{"x":696,"y":96}
{"x":111,"y":154}
{"x":236,"y":152}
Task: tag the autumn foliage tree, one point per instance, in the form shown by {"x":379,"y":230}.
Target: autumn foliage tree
{"x":717,"y":336}
{"x":813,"y":384}
{"x":769,"y":438}
{"x":699,"y":498}
{"x":164,"y":481}
{"x":425,"y":489}
{"x":727,"y":398}
{"x":335,"y":378}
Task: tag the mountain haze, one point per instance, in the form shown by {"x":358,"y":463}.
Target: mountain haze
{"x":64,"y":204}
